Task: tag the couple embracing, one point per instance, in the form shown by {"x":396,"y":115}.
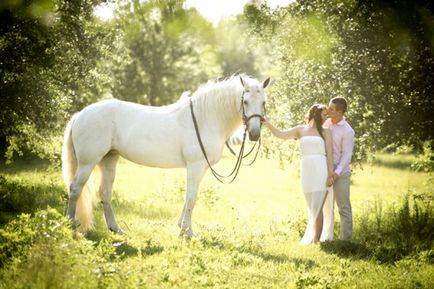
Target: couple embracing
{"x":326,"y":146}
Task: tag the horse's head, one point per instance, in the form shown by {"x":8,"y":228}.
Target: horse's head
{"x":253,"y":105}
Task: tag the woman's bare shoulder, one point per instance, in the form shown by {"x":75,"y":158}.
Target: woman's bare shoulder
{"x":298,"y":130}
{"x":301,"y":128}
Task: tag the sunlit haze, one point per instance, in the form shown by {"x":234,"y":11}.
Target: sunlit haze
{"x":215,"y":10}
{"x":105,"y":11}
{"x":212,"y":10}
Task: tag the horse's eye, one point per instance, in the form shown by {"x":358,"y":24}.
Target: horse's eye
{"x":245,"y":102}
{"x":263,"y":104}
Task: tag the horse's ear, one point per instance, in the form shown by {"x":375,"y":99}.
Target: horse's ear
{"x":266,"y":82}
{"x":242,"y":81}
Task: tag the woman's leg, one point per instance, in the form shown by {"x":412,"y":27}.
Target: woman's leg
{"x":318,"y":227}
{"x":315,"y":202}
{"x":319,"y":222}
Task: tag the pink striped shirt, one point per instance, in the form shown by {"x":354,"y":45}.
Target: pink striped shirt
{"x":343,"y":144}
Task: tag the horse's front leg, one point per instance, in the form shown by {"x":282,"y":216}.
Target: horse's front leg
{"x":195,"y":173}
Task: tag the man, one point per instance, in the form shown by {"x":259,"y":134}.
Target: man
{"x":343,"y":143}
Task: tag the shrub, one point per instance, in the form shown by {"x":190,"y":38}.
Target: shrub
{"x":425,"y":161}
{"x":17,"y":196}
{"x":21,"y":234}
{"x":393,"y":233}
{"x":43,"y":251}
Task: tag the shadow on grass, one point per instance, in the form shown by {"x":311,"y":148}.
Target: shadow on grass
{"x":281,"y":258}
{"x":24,"y":165}
{"x":391,"y":234}
{"x":278,"y":258}
{"x":402,"y":162}
{"x":346,"y":249}
{"x":122,"y":249}
{"x":251,"y":247}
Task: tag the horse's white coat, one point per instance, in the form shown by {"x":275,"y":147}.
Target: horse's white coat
{"x":155,"y":136}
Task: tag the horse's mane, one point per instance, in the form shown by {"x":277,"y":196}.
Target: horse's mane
{"x":224,"y":94}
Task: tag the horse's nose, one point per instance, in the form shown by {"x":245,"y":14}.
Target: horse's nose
{"x":254,"y":135}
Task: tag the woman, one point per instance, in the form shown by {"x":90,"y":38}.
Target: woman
{"x":316,"y":171}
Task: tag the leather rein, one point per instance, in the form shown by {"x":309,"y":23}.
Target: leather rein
{"x":241,"y":155}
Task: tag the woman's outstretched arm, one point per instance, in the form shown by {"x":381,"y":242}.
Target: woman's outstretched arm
{"x":283,"y":134}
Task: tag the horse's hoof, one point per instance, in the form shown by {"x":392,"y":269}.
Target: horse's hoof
{"x":187,"y":234}
{"x":181,"y":233}
{"x":118,"y":231}
{"x":75,"y":224}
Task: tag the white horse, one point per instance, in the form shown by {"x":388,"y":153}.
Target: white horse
{"x":162,"y":137}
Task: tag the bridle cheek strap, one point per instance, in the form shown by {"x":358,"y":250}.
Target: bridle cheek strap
{"x":246,"y":119}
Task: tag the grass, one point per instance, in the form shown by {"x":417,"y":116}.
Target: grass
{"x":247,"y":233}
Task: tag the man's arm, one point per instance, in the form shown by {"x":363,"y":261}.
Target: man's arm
{"x":347,"y":151}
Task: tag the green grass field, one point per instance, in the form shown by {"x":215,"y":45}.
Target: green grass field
{"x":247,"y":232}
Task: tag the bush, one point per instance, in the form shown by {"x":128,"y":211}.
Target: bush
{"x":43,"y":251}
{"x":425,"y":161}
{"x":21,"y":234}
{"x":397,"y":232}
{"x":17,"y":197}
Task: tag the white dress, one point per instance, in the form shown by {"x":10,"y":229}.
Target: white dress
{"x":313,"y":184}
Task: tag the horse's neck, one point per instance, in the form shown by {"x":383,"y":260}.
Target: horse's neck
{"x":224,"y":113}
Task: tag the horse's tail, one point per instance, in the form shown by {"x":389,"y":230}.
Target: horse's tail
{"x":86,"y":201}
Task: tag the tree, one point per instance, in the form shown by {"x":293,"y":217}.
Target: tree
{"x":236,"y":48}
{"x":169,"y":50}
{"x":48,"y":53}
{"x":377,"y":54}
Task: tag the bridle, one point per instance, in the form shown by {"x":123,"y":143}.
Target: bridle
{"x":243,"y":111}
{"x":245,"y":123}
{"x":241,"y":155}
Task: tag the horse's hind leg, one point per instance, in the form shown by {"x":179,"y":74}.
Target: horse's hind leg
{"x":108,"y":171}
{"x":76,"y":187}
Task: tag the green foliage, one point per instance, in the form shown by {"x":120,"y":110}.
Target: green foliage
{"x":48,"y":52}
{"x":374,"y":53}
{"x":42,"y":251}
{"x":57,"y":58}
{"x":169,"y":51}
{"x":240,"y":56}
{"x":18,"y":236}
{"x":397,"y":232}
{"x":17,"y":196}
{"x":425,"y":161}
{"x":243,"y":238}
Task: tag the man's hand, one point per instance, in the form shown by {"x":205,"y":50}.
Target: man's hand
{"x":330,"y":181}
{"x":335,"y":176}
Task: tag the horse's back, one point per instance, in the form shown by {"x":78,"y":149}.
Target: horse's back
{"x":144,"y":134}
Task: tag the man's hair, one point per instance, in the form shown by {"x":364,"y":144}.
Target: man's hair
{"x":340,"y":102}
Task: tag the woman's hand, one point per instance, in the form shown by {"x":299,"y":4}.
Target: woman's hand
{"x":330,"y":181}
{"x":264,"y":120}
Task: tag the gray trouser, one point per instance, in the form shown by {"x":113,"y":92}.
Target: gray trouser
{"x":341,"y":189}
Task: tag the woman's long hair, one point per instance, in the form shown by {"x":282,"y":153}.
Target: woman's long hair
{"x":315,"y":113}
